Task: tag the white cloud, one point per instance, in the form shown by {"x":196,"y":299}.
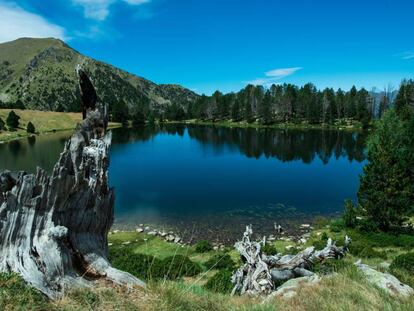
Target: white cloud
{"x":136,"y":2}
{"x":16,"y":23}
{"x":282,"y":72}
{"x":273,"y":76}
{"x":408,"y":55}
{"x":95,"y":9}
{"x":99,"y":9}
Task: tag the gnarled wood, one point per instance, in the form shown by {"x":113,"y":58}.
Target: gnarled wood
{"x":53,"y":229}
{"x":260,"y":272}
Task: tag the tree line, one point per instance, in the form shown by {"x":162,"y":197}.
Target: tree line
{"x":286,"y":103}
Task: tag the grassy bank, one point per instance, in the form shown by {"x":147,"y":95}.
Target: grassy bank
{"x":346,"y":125}
{"x":44,"y":122}
{"x":345,"y":290}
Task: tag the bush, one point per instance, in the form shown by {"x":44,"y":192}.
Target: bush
{"x":177,"y":266}
{"x":337,"y":225}
{"x":1,"y":124}
{"x":329,"y":266}
{"x":404,"y":261}
{"x":220,"y":261}
{"x":321,"y":222}
{"x":203,"y":246}
{"x":269,"y":249}
{"x":381,"y":239}
{"x":220,"y":282}
{"x":148,"y":267}
{"x":364,"y":250}
{"x":12,"y":120}
{"x":30,"y":128}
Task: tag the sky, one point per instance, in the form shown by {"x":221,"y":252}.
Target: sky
{"x":208,"y":45}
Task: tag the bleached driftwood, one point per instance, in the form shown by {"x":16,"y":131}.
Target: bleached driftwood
{"x":254,"y":276}
{"x":53,"y":229}
{"x":260,"y":273}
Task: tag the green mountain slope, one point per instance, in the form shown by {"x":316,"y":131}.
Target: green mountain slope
{"x":41,"y":74}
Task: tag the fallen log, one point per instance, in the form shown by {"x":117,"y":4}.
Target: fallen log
{"x":260,"y":272}
{"x":53,"y":229}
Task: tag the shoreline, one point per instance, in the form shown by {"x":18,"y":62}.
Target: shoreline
{"x":279,"y":126}
{"x":22,"y":135}
{"x":191,"y":231}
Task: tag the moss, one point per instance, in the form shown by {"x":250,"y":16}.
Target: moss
{"x":220,"y":282}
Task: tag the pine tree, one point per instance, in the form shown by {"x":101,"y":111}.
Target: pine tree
{"x":265,"y":109}
{"x":1,"y":124}
{"x":386,"y":193}
{"x":120,"y":112}
{"x":138,"y":118}
{"x":12,"y":121}
{"x":30,"y":128}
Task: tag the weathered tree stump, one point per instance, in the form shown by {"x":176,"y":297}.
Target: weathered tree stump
{"x":53,"y":229}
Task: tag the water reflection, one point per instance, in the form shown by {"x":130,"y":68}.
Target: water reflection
{"x":284,"y":145}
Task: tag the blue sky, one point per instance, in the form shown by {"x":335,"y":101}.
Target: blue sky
{"x":211,"y":44}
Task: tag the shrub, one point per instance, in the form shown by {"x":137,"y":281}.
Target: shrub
{"x":329,"y":266}
{"x":177,"y":266}
{"x":321,"y":222}
{"x":150,"y":268}
{"x":30,"y":128}
{"x":269,"y":249}
{"x":404,"y":261}
{"x":2,"y":124}
{"x":220,"y":282}
{"x":220,"y":261}
{"x":365,"y":250}
{"x":337,"y":225}
{"x":203,"y":246}
{"x":12,"y":120}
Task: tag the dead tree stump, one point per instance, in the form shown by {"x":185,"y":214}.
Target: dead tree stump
{"x":53,"y":229}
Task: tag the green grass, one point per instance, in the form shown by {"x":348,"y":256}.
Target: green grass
{"x":44,"y":122}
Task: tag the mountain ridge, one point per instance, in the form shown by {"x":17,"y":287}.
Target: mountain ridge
{"x":40,"y":74}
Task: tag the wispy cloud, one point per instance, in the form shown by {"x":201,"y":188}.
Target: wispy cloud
{"x":99,"y":10}
{"x":15,"y":23}
{"x":273,"y":76}
{"x":407,"y":55}
{"x":282,"y":72}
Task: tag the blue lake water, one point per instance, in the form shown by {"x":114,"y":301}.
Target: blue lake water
{"x":212,"y":179}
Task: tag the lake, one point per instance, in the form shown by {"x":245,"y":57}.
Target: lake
{"x":211,"y":181}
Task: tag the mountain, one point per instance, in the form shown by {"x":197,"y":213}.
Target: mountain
{"x":40,"y":73}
